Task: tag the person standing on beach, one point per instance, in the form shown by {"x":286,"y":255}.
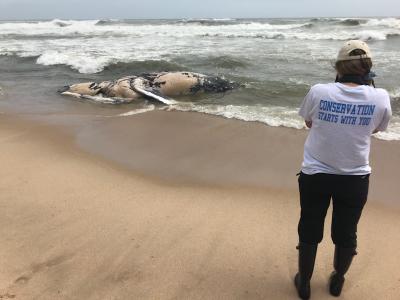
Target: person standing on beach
{"x":341,"y":116}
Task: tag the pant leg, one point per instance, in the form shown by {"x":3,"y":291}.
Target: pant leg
{"x":349,"y":197}
{"x":315,"y":195}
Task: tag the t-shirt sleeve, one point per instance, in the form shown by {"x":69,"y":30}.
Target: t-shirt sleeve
{"x":387,"y":113}
{"x":307,"y":105}
{"x":385,"y":120}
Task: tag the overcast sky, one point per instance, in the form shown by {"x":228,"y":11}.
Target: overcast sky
{"x":154,"y":9}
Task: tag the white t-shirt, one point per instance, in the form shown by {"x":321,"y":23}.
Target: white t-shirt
{"x":343,"y":119}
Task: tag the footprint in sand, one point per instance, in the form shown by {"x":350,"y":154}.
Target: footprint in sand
{"x":22,"y":279}
{"x":7,"y":296}
{"x":40,"y":267}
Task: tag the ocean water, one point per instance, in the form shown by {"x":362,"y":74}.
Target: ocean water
{"x":275,"y":60}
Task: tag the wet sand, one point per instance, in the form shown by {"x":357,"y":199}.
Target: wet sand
{"x":210,"y":213}
{"x":194,"y":148}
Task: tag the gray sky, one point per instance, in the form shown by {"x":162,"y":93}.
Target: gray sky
{"x":135,"y":9}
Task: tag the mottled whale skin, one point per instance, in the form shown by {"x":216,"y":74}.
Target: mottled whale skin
{"x":164,"y":84}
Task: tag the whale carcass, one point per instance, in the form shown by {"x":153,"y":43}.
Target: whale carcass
{"x":159,"y":86}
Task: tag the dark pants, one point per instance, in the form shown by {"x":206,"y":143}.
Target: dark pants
{"x":349,"y":195}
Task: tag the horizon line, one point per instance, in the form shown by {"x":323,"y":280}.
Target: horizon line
{"x":198,"y":18}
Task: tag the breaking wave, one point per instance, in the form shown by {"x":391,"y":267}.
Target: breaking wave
{"x":352,"y":22}
{"x":209,"y":22}
{"x":395,"y":94}
{"x":314,"y":29}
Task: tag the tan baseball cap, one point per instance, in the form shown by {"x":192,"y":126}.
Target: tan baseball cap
{"x":349,"y":46}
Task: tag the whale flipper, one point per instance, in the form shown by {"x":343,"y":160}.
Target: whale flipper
{"x":138,"y":84}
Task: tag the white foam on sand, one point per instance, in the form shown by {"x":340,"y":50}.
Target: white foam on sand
{"x":148,"y":108}
{"x":272,"y":116}
{"x":393,"y":132}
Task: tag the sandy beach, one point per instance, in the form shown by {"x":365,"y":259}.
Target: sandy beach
{"x":175,"y":206}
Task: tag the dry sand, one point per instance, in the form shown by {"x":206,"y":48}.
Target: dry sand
{"x":74,"y":226}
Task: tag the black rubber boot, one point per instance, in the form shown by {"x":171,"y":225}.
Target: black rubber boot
{"x":342,"y":261}
{"x":307,"y":253}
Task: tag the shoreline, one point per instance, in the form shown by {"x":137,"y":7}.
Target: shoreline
{"x":194,"y":148}
{"x":197,"y":149}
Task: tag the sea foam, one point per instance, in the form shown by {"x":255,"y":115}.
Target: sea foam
{"x":272,"y":116}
